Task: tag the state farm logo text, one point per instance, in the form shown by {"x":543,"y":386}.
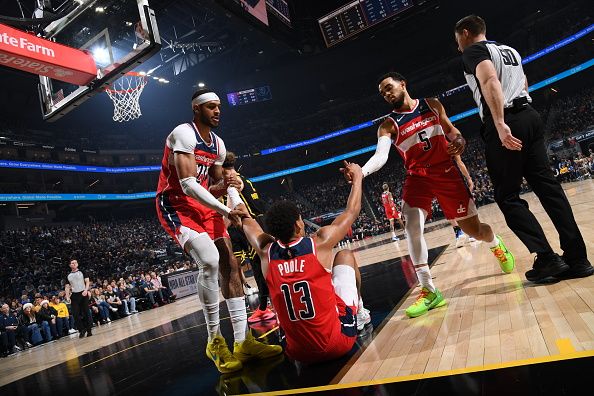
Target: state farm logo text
{"x":23,"y":43}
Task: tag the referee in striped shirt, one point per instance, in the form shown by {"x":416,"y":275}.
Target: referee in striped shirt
{"x":514,"y":135}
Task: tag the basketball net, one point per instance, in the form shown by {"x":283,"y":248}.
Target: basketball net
{"x":125,"y":94}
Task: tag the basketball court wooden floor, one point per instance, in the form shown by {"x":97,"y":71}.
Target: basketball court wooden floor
{"x":498,"y":334}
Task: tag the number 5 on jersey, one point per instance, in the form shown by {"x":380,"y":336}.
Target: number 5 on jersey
{"x":423,"y":138}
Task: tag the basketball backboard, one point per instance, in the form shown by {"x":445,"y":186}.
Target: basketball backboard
{"x":120,"y":34}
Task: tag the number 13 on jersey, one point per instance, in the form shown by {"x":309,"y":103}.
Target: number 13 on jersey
{"x":301,"y":290}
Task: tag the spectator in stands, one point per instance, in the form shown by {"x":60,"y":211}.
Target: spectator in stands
{"x":33,"y":326}
{"x":114,"y":301}
{"x":65,"y":296}
{"x":129,"y":302}
{"x":149,"y":289}
{"x":165,"y":292}
{"x":62,"y":318}
{"x":102,"y":308}
{"x":37,"y":303}
{"x":9,"y":326}
{"x":48,"y":315}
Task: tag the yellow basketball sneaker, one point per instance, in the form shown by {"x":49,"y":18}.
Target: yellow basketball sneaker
{"x":254,"y":349}
{"x":507,"y":262}
{"x":427,"y":300}
{"x":219,"y":353}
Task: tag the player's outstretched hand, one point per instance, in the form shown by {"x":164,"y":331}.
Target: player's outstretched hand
{"x":355,"y":171}
{"x":350,"y":171}
{"x":456,"y":146}
{"x":235,"y":218}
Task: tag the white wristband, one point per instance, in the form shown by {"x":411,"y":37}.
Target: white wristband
{"x":233,"y":196}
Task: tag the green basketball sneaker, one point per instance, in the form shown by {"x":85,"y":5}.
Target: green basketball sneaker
{"x":427,"y":300}
{"x":507,"y":262}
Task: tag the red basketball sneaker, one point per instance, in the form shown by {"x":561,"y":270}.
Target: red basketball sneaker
{"x":261,"y":315}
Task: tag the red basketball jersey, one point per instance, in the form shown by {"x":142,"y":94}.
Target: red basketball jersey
{"x":187,"y":138}
{"x":388,"y":201}
{"x":302,"y":293}
{"x":421,"y":141}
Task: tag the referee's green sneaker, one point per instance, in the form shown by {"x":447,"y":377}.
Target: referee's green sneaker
{"x":427,"y":300}
{"x":507,"y":262}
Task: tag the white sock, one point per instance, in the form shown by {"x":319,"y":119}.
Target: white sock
{"x":393,"y":234}
{"x":424,"y":276}
{"x":238,"y":314}
{"x":494,"y":242}
{"x":211,"y":316}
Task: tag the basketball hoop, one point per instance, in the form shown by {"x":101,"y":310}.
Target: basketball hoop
{"x":125,"y":94}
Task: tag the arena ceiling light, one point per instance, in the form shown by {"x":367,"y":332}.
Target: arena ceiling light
{"x":201,"y":85}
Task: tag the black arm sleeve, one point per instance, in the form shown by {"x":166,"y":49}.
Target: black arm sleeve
{"x":474,"y":55}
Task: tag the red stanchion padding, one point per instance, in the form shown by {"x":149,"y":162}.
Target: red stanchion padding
{"x":24,"y":51}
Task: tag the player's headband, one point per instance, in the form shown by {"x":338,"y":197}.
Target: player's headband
{"x":205,"y":97}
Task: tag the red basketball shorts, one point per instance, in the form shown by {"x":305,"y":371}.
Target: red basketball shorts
{"x":444,"y":183}
{"x":183,"y":218}
{"x":392,"y":212}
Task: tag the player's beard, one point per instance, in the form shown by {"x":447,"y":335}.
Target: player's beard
{"x":399,"y":101}
{"x":207,"y":121}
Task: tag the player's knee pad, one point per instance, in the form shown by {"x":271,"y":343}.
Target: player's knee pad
{"x":345,"y":283}
{"x":205,"y":253}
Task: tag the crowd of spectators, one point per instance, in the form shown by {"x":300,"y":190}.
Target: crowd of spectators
{"x":34,"y":319}
{"x":571,"y":115}
{"x":122,"y":259}
{"x":577,"y":168}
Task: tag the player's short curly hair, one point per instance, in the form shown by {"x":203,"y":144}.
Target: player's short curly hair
{"x":280,"y":220}
{"x":393,"y":75}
